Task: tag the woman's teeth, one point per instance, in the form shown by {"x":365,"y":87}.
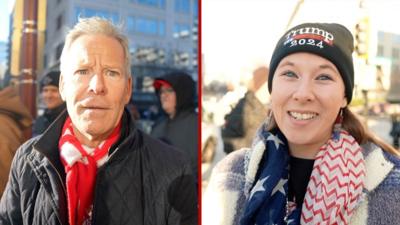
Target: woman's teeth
{"x":302,"y":116}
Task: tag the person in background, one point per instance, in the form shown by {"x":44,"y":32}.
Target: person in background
{"x":14,"y":119}
{"x":52,"y":100}
{"x":133,"y":111}
{"x":245,"y":118}
{"x":179,"y":128}
{"x":93,"y":166}
{"x":313,"y":161}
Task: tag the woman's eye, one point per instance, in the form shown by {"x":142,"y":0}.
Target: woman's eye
{"x":289,"y":74}
{"x":324,"y":77}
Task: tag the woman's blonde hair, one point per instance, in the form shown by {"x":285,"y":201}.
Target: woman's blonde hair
{"x":352,"y":124}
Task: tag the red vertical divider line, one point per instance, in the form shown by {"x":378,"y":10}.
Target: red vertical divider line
{"x":199,"y":83}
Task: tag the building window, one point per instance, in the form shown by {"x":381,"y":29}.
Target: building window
{"x":380,"y":50}
{"x":146,"y":26}
{"x":130,"y":24}
{"x":88,"y":12}
{"x":395,"y":53}
{"x":153,"y":3}
{"x":59,"y":22}
{"x":195,"y":8}
{"x":182,"y":6}
{"x":179,"y":29}
{"x":161,"y":28}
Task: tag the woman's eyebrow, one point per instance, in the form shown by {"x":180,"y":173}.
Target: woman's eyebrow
{"x":327,"y":66}
{"x":287,"y":63}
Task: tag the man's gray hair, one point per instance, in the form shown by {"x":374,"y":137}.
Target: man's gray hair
{"x":93,"y":26}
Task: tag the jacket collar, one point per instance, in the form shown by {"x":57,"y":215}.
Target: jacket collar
{"x":47,"y":144}
{"x":377,"y":165}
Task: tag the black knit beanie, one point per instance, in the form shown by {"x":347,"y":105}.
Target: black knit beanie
{"x":329,"y":40}
{"x":51,"y":78}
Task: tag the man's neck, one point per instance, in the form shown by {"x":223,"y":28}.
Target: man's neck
{"x":90,"y":140}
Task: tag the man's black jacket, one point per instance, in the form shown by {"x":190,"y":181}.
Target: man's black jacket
{"x":143,"y":182}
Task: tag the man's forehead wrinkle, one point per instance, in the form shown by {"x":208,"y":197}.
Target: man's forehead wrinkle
{"x":87,"y":53}
{"x":92,"y":59}
{"x":98,"y":50}
{"x":83,"y":58}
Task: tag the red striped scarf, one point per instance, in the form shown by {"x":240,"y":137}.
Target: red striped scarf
{"x":81,"y":167}
{"x":336,"y":183}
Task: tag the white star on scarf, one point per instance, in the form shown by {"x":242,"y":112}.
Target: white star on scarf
{"x":259,"y":186}
{"x":275,"y":139}
{"x":279,"y":187}
{"x":290,"y":221}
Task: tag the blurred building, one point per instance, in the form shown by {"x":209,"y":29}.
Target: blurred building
{"x":18,"y":28}
{"x":162,"y":36}
{"x":25,"y":49}
{"x":3,"y":59}
{"x":389,"y":48}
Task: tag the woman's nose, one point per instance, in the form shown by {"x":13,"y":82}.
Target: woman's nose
{"x":304,"y":92}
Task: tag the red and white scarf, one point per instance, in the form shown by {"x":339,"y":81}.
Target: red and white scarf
{"x":333,"y":192}
{"x":336,"y":183}
{"x":81,"y":163}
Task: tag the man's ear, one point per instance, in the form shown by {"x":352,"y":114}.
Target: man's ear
{"x":61,"y":87}
{"x":128,"y":93}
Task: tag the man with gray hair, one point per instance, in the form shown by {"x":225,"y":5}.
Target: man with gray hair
{"x":92,"y":166}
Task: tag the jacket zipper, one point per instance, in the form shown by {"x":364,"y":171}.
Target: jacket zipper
{"x":58,"y":174}
{"x":61,"y":181}
{"x":95,"y":187}
{"x":60,"y":178}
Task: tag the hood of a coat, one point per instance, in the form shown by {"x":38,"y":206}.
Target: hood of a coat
{"x":11,"y":104}
{"x":184,"y":87}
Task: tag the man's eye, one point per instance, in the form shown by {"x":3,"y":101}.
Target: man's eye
{"x":82,"y":72}
{"x":112,"y":73}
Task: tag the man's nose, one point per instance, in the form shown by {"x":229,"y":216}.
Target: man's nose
{"x":97,"y":84}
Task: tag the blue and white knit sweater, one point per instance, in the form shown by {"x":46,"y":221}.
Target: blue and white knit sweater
{"x":232,"y":178}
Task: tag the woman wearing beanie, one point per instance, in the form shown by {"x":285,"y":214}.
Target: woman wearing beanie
{"x":312,"y":161}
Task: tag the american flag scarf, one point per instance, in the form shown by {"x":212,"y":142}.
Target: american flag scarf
{"x":81,"y":166}
{"x":334,"y":189}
